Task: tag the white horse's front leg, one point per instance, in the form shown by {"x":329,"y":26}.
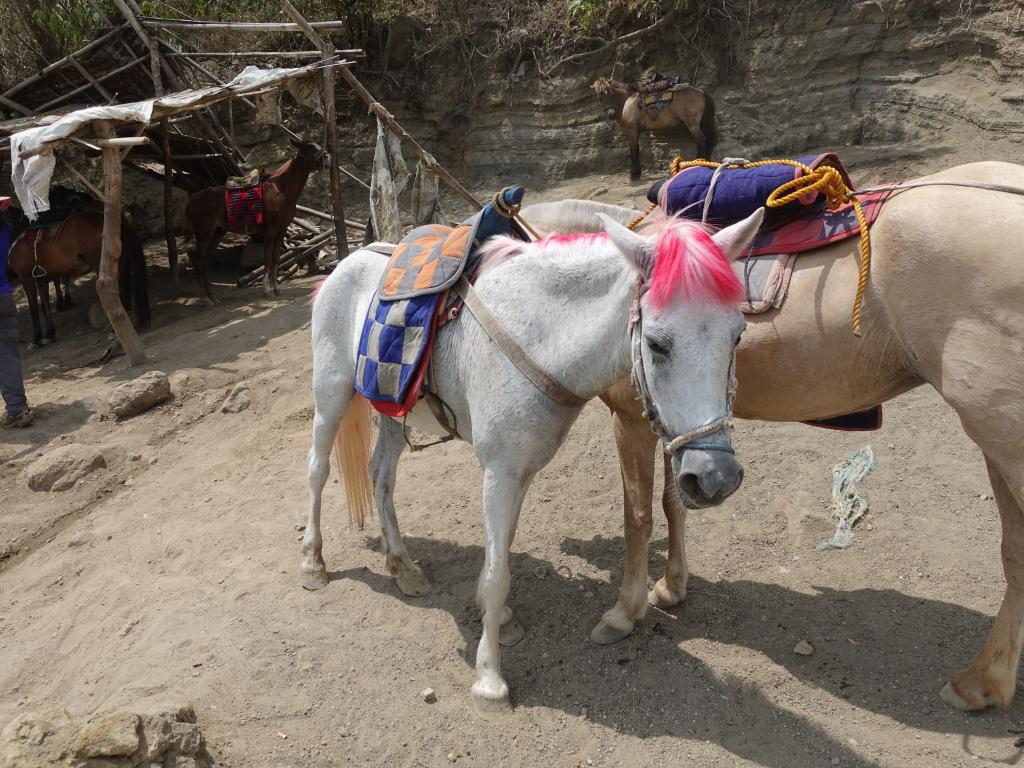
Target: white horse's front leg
{"x":503,"y":498}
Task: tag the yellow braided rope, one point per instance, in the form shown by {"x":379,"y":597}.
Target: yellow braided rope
{"x":825,"y":179}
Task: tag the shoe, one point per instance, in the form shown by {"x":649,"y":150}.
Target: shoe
{"x":17,"y":420}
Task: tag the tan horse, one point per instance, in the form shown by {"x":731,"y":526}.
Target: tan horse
{"x":943,"y":307}
{"x":689,"y":106}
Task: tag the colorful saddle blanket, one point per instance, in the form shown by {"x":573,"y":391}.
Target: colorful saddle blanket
{"x":243,"y":202}
{"x":394,"y":346}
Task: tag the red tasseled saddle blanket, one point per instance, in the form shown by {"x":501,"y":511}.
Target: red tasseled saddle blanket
{"x":243,"y":202}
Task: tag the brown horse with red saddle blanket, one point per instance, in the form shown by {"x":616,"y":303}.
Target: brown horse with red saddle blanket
{"x":264,"y":208}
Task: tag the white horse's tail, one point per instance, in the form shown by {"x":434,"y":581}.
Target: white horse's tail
{"x":352,"y":454}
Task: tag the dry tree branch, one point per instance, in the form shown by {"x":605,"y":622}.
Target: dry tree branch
{"x":663,"y":21}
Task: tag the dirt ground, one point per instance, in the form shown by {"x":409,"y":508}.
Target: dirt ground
{"x":174,"y":572}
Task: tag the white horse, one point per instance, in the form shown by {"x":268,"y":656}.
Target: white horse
{"x":568,"y":302}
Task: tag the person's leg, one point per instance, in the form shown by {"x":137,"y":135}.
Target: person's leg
{"x":12,"y":385}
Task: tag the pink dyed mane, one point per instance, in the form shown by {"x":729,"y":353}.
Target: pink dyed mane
{"x":688,"y":260}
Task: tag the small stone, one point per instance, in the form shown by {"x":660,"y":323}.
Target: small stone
{"x":984,"y":497}
{"x":835,"y":761}
{"x":115,"y":735}
{"x":300,"y":526}
{"x":451,"y":757}
{"x":139,"y":395}
{"x":803,"y":648}
{"x":238,"y":399}
{"x":428,"y":695}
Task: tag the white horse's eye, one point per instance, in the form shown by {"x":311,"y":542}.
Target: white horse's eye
{"x":659,"y":345}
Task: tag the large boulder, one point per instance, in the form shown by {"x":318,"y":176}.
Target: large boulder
{"x":62,"y":467}
{"x":138,"y":395}
{"x":158,"y":736}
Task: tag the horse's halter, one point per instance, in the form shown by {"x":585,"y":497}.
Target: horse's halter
{"x":695,"y":438}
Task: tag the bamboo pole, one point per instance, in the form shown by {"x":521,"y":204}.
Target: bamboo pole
{"x":57,"y":64}
{"x":90,"y":79}
{"x":80,"y":89}
{"x":107,"y":282}
{"x":330,"y":125}
{"x":247,"y":55}
{"x":328,"y":217}
{"x":394,"y":127}
{"x":237,"y":26}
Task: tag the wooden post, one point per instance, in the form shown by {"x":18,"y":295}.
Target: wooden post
{"x":330,"y":125}
{"x":108,"y":281}
{"x":165,"y":128}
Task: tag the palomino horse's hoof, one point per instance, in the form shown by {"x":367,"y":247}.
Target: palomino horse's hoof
{"x":966,"y":690}
{"x":413,"y":583}
{"x":314,"y":578}
{"x":606,"y":634}
{"x":491,"y":699}
{"x":663,"y":597}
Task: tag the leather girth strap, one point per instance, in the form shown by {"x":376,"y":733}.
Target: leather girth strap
{"x":518,"y":356}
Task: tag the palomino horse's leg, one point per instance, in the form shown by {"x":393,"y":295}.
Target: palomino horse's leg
{"x":993,"y":677}
{"x":503,"y":499}
{"x":670,"y":589}
{"x":383,"y":470}
{"x":635,"y":442}
{"x":330,"y":404}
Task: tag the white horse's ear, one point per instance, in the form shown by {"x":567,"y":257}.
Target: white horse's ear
{"x":635,"y":248}
{"x":735,"y":239}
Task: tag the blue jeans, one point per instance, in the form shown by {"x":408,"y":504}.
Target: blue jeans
{"x":12,"y":385}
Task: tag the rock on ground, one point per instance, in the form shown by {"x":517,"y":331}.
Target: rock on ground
{"x":141,"y":394}
{"x":62,"y":467}
{"x":163,"y":736}
{"x":237,"y":400}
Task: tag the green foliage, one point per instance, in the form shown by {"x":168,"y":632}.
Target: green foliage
{"x":592,"y":13}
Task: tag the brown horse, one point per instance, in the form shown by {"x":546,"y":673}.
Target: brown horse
{"x":281,"y":189}
{"x":690,"y":106}
{"x":76,"y":251}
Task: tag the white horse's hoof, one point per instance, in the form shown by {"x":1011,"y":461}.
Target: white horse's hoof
{"x":490,"y":699}
{"x":413,"y":583}
{"x":511,"y":633}
{"x":606,"y":634}
{"x":314,"y":578}
{"x":663,"y":597}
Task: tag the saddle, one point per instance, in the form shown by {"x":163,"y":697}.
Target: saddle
{"x":412,"y":302}
{"x":655,"y":83}
{"x":804,"y":224}
{"x":243,"y":202}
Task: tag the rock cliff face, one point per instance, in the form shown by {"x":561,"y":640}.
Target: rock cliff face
{"x":895,"y":83}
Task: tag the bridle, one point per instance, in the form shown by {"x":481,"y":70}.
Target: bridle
{"x":695,"y":439}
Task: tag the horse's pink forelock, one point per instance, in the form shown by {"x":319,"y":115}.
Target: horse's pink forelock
{"x":688,"y":260}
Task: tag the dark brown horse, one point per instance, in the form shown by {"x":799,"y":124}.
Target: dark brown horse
{"x":76,"y":251}
{"x":690,"y":106}
{"x":281,"y":189}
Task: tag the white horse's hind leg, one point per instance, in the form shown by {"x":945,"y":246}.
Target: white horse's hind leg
{"x":503,"y":499}
{"x":383,"y":469}
{"x":330,"y":404}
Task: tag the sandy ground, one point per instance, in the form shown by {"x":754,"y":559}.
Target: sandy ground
{"x":174,"y":572}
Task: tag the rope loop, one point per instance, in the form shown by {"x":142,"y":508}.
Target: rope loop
{"x":824,"y":179}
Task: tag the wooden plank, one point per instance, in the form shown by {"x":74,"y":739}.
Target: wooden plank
{"x":330,"y":125}
{"x":237,"y":26}
{"x":107,"y":282}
